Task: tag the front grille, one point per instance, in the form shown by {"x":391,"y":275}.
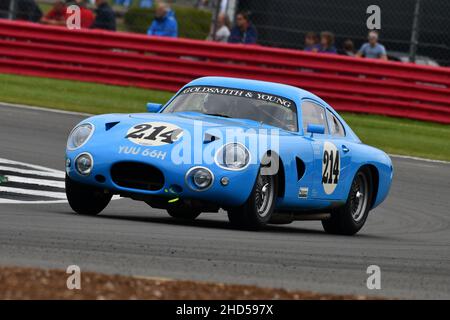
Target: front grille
{"x":136,"y":175}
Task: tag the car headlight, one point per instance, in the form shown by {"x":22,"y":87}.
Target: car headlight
{"x":233,"y":156}
{"x":80,"y":135}
{"x":199,"y":178}
{"x":84,"y":164}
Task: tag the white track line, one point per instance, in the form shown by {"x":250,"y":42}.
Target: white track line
{"x":8,"y":201}
{"x":34,"y":166}
{"x":55,"y":174}
{"x":418,"y":159}
{"x":56,"y":195}
{"x":22,"y":106}
{"x":48,"y":183}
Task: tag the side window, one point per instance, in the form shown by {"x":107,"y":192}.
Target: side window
{"x":313,"y":114}
{"x":336,"y":128}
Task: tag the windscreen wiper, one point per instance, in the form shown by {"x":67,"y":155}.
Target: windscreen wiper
{"x":218,"y":115}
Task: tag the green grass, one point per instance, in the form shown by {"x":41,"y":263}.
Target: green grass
{"x":76,"y":96}
{"x":402,"y":136}
{"x":393,"y":135}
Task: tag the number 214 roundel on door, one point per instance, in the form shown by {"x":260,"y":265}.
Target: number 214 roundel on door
{"x":154,"y":133}
{"x":330,"y":167}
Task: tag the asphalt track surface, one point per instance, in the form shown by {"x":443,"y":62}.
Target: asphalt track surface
{"x":408,"y":237}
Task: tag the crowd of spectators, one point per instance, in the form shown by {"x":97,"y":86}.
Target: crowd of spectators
{"x":325,"y":43}
{"x":103,"y":16}
{"x":165,"y":24}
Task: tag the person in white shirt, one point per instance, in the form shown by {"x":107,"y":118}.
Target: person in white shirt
{"x":222,"y":30}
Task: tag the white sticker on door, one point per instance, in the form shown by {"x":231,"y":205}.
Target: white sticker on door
{"x":331,"y":167}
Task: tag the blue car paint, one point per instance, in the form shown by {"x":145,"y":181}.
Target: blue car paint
{"x":104,"y":145}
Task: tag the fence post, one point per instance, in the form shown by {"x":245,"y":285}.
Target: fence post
{"x":215,"y":18}
{"x":12,"y":9}
{"x":414,"y":33}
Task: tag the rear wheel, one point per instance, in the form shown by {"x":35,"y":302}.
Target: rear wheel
{"x":350,"y":218}
{"x":256,"y":212}
{"x":85,"y":199}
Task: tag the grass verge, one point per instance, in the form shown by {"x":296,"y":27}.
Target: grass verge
{"x":393,"y":135}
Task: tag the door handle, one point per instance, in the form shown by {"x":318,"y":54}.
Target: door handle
{"x":345,"y":149}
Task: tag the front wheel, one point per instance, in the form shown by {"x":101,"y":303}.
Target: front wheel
{"x":85,"y":199}
{"x":256,"y":212}
{"x":350,"y":218}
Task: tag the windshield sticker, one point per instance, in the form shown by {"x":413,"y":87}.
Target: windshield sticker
{"x":241,"y":93}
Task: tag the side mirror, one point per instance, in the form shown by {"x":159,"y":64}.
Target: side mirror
{"x":315,"y":128}
{"x":153,"y":107}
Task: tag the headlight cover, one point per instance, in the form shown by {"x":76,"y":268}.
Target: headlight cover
{"x":199,"y":178}
{"x":233,"y":156}
{"x":84,"y":164}
{"x":79,"y":136}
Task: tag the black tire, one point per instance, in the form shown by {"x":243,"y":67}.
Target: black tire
{"x":84,"y":199}
{"x":255,"y":213}
{"x":183,"y":214}
{"x":350,"y":218}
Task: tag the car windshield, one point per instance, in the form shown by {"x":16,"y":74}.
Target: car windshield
{"x":237,"y":103}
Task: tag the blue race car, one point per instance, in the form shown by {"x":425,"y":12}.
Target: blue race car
{"x":264,"y":152}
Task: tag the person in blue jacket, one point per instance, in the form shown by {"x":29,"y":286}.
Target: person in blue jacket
{"x":244,"y":31}
{"x":164,"y":24}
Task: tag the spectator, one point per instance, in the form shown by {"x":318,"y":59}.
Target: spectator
{"x":164,"y":24}
{"x":372,"y":49}
{"x":311,"y":41}
{"x":348,"y":48}
{"x":56,"y":15}
{"x":222,"y":29}
{"x":326,"y":43}
{"x":105,"y":17}
{"x":244,"y":31}
{"x":86,"y":15}
{"x":28,"y":10}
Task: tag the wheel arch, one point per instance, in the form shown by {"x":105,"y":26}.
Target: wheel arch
{"x":375,"y":175}
{"x":280,"y":175}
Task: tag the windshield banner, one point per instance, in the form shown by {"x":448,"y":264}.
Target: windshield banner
{"x":241,"y":93}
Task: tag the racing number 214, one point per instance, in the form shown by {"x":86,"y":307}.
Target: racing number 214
{"x":331,"y":171}
{"x":142,"y":131}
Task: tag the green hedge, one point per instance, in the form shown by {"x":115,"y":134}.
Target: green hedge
{"x":192,"y":23}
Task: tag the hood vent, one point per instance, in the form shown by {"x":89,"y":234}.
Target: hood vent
{"x":209,"y":138}
{"x":109,"y":125}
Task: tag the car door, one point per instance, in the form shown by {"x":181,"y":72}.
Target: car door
{"x":330,"y":153}
{"x":340,"y":165}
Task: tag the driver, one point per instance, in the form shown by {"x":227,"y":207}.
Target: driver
{"x":216,"y":104}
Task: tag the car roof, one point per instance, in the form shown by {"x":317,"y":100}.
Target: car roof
{"x":279,"y":89}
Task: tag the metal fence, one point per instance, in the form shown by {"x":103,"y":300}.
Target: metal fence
{"x":419,"y":28}
{"x":284,"y":23}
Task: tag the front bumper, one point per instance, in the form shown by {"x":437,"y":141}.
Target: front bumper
{"x":234,"y":194}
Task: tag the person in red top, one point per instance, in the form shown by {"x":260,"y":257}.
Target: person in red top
{"x":53,"y":17}
{"x":87,"y":16}
{"x":56,"y":15}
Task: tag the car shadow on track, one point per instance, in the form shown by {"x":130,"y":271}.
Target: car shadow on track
{"x":224,"y":225}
